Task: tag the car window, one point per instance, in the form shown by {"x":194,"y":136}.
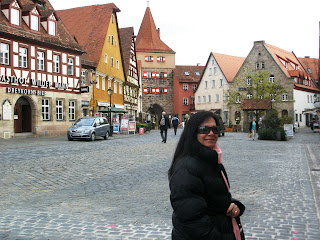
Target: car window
{"x":84,"y":122}
{"x":104,"y":121}
{"x":101,"y":121}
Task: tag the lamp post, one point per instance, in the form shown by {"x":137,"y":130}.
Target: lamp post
{"x":111,"y":127}
{"x":140,"y":114}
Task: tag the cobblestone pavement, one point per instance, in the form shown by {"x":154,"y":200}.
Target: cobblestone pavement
{"x":51,"y":188}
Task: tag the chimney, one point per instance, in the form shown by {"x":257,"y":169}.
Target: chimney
{"x":307,"y":57}
{"x":198,"y":64}
{"x":158,"y":31}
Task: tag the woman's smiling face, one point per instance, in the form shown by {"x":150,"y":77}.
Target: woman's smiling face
{"x":210,"y":139}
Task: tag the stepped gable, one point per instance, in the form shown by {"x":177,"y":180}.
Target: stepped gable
{"x":192,"y":77}
{"x":63,"y":38}
{"x":125,"y":36}
{"x":148,"y":39}
{"x":89,"y":25}
{"x":229,"y":65}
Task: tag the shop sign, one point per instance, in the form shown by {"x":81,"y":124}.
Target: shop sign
{"x":93,"y":103}
{"x":84,"y":89}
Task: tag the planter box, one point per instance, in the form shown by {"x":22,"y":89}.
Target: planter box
{"x":229,"y":129}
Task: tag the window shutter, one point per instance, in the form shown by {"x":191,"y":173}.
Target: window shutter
{"x":145,"y":90}
{"x":145,"y":75}
{"x":157,"y":75}
{"x":146,"y":58}
{"x":164,"y":59}
{"x":165,"y":90}
{"x":151,"y":58}
{"x":157,"y":90}
{"x":158,"y":59}
{"x":165,"y":75}
{"x":153,"y":90}
{"x":153,"y":75}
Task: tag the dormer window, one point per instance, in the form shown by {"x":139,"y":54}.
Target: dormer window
{"x":15,"y":16}
{"x":52,"y":28}
{"x":34,"y":22}
{"x":49,"y":23}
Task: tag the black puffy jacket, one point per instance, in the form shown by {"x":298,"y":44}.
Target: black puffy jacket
{"x":200,"y":198}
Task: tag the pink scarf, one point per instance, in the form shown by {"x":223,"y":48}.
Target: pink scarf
{"x":235,"y":226}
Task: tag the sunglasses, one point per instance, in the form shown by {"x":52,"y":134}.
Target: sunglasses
{"x":207,"y":129}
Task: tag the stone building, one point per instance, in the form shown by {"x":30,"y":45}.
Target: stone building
{"x":157,"y":64}
{"x":39,"y":70}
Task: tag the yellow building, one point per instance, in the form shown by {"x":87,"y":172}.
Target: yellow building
{"x":96,"y":29}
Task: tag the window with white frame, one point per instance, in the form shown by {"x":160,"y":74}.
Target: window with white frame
{"x":34,"y":25}
{"x":284,"y":97}
{"x":70,"y":66}
{"x":115,"y":87}
{"x":40,"y":61}
{"x":15,"y":16}
{"x":206,"y":84}
{"x":192,"y":99}
{"x":249,"y":95}
{"x":106,"y":58}
{"x":45,"y":109}
{"x":213,"y":83}
{"x":199,"y":99}
{"x":210,"y":71}
{"x":273,"y":97}
{"x":249,"y":81}
{"x":118,"y":64}
{"x":161,"y":59}
{"x":23,"y":57}
{"x":103,"y":83}
{"x":112,"y":62}
{"x":149,"y":59}
{"x":238,"y":98}
{"x":194,"y":87}
{"x":56,"y":63}
{"x":257,"y":65}
{"x":221,"y":82}
{"x":204,"y":99}
{"x":120,"y":88}
{"x":112,"y":18}
{"x":185,"y":101}
{"x":217,"y":98}
{"x":59,"y":109}
{"x":52,"y":28}
{"x":209,"y":98}
{"x":215,"y":71}
{"x":271,"y":79}
{"x":4,"y":53}
{"x":72,"y":110}
{"x":149,"y":74}
{"x":185,"y":86}
{"x":308,"y":98}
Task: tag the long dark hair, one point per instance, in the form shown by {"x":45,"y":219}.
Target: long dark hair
{"x":189,"y":136}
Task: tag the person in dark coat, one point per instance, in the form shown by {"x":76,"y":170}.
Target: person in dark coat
{"x":199,"y":188}
{"x":164,"y":128}
{"x":175,"y":123}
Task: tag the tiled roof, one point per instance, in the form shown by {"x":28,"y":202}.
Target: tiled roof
{"x":229,"y":65}
{"x":314,"y":65}
{"x":63,"y":39}
{"x":148,"y":39}
{"x":89,"y":25}
{"x":191,"y":76}
{"x":279,"y":54}
{"x":255,"y":104}
{"x":126,"y":35}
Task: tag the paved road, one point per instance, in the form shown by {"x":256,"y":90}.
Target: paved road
{"x":51,"y":188}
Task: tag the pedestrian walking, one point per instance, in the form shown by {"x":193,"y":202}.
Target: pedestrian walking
{"x":202,"y":204}
{"x":175,"y":123}
{"x":254,"y":126}
{"x":164,"y":125}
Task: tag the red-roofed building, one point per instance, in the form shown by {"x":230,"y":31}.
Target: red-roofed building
{"x":96,"y":29}
{"x":212,"y":92}
{"x":185,"y":83}
{"x":39,"y":70}
{"x":157,"y":64}
{"x":284,"y":67}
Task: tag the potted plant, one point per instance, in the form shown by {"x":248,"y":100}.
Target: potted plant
{"x":230,"y":126}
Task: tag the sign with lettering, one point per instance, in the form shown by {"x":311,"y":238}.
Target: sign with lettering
{"x":6,"y":110}
{"x":84,"y":89}
{"x":288,"y":128}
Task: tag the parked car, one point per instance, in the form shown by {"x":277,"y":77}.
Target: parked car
{"x":89,"y":128}
{"x":222,"y":128}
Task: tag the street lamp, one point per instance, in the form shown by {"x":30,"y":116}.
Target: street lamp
{"x":110,"y":94}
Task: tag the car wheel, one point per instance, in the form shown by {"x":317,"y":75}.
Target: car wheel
{"x":93,"y":136}
{"x":70,"y":138}
{"x":106,"y":136}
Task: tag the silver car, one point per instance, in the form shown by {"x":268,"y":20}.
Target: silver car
{"x":89,"y":128}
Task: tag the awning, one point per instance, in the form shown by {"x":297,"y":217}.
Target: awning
{"x":113,"y":109}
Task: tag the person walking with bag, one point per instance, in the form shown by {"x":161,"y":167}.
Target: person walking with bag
{"x":175,"y":123}
{"x":199,"y":188}
{"x":164,"y":125}
{"x":253,"y":128}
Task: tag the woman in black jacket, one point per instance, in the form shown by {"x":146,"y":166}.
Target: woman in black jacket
{"x":202,"y":205}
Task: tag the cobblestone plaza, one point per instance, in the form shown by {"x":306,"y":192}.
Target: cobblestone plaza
{"x":51,"y":188}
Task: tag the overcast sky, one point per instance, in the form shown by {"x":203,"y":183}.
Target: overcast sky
{"x":193,"y":29}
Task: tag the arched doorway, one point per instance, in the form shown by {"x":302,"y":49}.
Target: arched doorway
{"x":22,"y":116}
